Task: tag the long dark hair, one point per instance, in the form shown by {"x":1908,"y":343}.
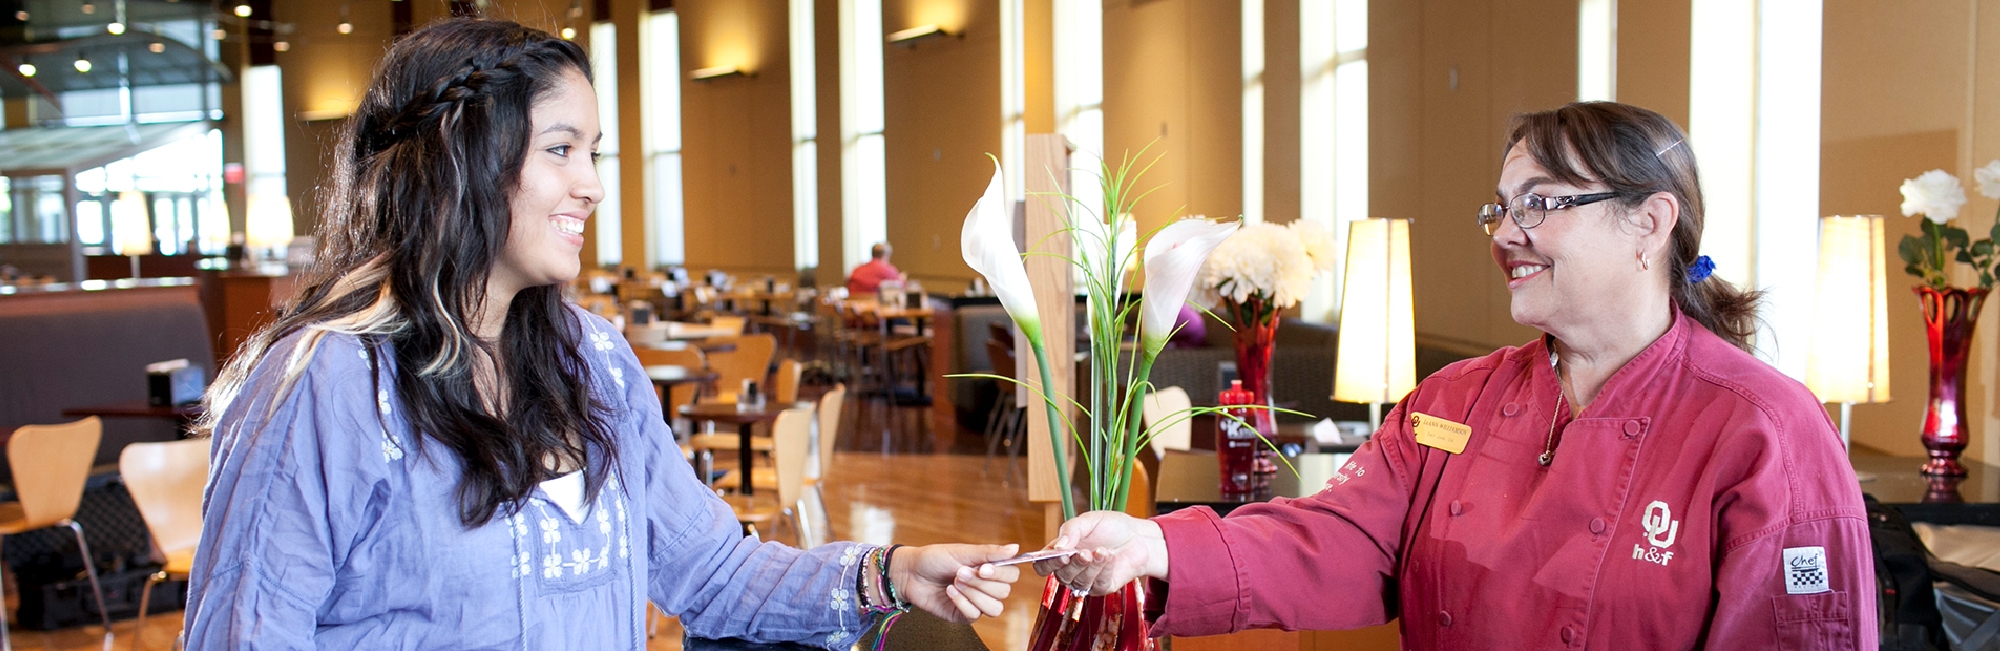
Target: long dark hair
{"x":1637,"y":152}
{"x":413,"y":220}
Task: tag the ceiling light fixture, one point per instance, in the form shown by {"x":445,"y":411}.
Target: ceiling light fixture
{"x":344,"y":27}
{"x":219,"y":34}
{"x":156,"y":47}
{"x":89,"y":8}
{"x":116,"y":28}
{"x":243,"y":11}
{"x":21,"y":15}
{"x":282,"y":46}
{"x":912,"y":35}
{"x":27,"y":70}
{"x":717,"y":72}
{"x":569,"y":33}
{"x":82,"y":64}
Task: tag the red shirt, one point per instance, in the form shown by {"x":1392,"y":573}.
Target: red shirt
{"x":1702,"y":501}
{"x":869,"y":276}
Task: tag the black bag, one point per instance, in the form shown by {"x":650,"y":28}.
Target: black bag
{"x":1908,"y":606}
{"x":64,"y":604}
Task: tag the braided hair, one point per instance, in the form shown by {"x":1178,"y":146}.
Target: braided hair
{"x":413,"y":219}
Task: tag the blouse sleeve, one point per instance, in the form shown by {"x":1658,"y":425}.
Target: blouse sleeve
{"x":721,"y":583}
{"x":282,"y":494}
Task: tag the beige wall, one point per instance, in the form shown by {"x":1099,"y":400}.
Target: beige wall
{"x":1172,"y":73}
{"x":1908,"y":88}
{"x":736,"y":136}
{"x":941,"y":119}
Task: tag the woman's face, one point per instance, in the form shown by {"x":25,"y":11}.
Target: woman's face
{"x":559,"y":186}
{"x":1576,"y":266}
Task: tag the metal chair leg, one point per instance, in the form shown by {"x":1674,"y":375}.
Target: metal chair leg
{"x":145,"y":600}
{"x":96,"y":588}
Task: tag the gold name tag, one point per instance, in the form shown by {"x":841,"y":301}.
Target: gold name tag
{"x":1440,"y":433}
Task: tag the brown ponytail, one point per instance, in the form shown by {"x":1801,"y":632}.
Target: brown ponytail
{"x":1639,"y":153}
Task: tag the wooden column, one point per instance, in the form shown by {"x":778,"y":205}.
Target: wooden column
{"x":1044,"y":234}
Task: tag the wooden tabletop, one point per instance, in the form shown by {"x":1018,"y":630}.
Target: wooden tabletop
{"x":739,"y":413}
{"x":680,"y":345}
{"x":136,"y":409}
{"x":669,"y":374}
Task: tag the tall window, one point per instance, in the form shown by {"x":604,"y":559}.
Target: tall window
{"x":1754,"y":107}
{"x":665,"y":218}
{"x":1333,"y":128}
{"x":1079,"y":92}
{"x":805,"y":139}
{"x":1013,"y":95}
{"x":604,"y":66}
{"x":865,"y":216}
{"x":1596,"y":50}
{"x":1253,"y":110}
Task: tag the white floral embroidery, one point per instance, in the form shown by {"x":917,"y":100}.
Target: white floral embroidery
{"x":551,"y":530}
{"x":391,"y":452}
{"x":523,"y":563}
{"x":839,"y":601}
{"x":618,"y":376}
{"x":363,"y":352}
{"x":552,"y":566}
{"x":603,"y":519}
{"x":382,"y":401}
{"x":600,"y":340}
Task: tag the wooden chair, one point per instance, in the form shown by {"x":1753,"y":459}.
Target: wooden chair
{"x":50,"y":465}
{"x":690,"y":358}
{"x":749,"y":361}
{"x":785,"y":386}
{"x":166,"y":481}
{"x":1165,"y":406}
{"x":791,"y":435}
{"x":734,"y":324}
{"x":827,"y":434}
{"x":1007,"y":423}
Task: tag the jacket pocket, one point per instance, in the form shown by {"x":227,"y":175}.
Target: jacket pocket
{"x":1814,"y":622}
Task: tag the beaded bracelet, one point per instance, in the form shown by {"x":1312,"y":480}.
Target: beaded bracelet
{"x":878,"y":593}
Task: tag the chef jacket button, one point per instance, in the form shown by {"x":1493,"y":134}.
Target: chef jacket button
{"x":1569,"y":635}
{"x":1456,"y":508}
{"x":1444,"y":619}
{"x":1512,"y":408}
{"x":1597,"y":525}
{"x":1631,"y":428}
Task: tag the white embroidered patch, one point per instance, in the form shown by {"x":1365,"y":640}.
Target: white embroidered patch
{"x":1805,"y":571}
{"x":391,"y":452}
{"x":600,"y":340}
{"x":382,"y":401}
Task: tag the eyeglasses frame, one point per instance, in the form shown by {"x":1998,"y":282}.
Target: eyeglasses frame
{"x":1489,"y":214}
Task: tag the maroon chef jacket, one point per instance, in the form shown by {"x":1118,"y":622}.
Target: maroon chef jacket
{"x":1702,"y":501}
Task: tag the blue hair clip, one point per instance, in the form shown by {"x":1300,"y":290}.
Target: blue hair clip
{"x":1702,"y":268}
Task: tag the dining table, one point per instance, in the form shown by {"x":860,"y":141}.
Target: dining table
{"x":745,"y":416}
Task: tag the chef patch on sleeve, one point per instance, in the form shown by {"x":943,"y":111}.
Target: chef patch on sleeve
{"x":1805,"y":570}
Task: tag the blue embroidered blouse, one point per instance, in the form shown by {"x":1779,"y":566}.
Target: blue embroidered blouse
{"x":324,"y":529}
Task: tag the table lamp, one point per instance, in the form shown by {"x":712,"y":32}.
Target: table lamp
{"x":134,"y":231}
{"x":1848,"y":361}
{"x":1377,"y":361}
{"x":270,"y":222}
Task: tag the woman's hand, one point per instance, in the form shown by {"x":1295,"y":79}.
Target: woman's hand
{"x":1115,"y":549}
{"x":953,"y":581}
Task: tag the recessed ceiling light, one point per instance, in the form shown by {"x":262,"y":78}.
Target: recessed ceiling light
{"x":27,"y":70}
{"x":115,"y":28}
{"x":345,"y":27}
{"x":242,"y":11}
{"x":282,"y":46}
{"x":569,"y":33}
{"x":82,"y":64}
{"x":156,"y":47}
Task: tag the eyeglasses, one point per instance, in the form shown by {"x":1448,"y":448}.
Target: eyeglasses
{"x":1529,"y":210}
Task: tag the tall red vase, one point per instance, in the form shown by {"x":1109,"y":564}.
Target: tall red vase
{"x":1949,"y":316}
{"x":1254,"y":343}
{"x":1113,"y":622}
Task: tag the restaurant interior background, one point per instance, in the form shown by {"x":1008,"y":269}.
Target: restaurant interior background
{"x":762,"y":137}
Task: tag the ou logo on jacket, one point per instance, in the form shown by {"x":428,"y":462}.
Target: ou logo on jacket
{"x":1659,"y":521}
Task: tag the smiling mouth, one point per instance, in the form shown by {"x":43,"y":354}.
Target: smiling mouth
{"x":570,"y":225}
{"x":1525,"y":271}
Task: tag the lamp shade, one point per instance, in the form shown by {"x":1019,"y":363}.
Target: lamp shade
{"x":270,"y":219}
{"x":1849,"y":357}
{"x":1377,"y":360}
{"x":128,"y":221}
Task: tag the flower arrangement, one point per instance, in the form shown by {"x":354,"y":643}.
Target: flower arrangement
{"x":1938,"y":196}
{"x":1268,"y":267}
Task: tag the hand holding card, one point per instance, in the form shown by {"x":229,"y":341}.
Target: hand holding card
{"x":1030,"y":557}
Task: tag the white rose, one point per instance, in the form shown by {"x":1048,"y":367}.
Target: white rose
{"x":1988,"y":179}
{"x":1936,"y":195}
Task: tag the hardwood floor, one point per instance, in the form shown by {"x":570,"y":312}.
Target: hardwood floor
{"x":899,"y":477}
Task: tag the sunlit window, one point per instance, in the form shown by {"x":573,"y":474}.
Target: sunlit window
{"x":1079,"y":92}
{"x":665,"y":218}
{"x":805,"y":139}
{"x":864,"y":217}
{"x":1596,"y":50}
{"x":609,"y":222}
{"x":1333,"y":131}
{"x":1253,"y":111}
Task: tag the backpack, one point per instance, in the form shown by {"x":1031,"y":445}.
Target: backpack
{"x":1907,"y":603}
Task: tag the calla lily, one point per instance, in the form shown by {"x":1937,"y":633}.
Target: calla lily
{"x":988,"y":246}
{"x":1173,"y":259}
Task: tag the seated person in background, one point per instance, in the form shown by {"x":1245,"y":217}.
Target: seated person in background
{"x":869,"y":276}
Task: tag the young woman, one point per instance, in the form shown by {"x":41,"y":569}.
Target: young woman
{"x":430,"y":449}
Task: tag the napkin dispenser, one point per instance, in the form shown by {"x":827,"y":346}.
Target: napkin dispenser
{"x":174,"y":382}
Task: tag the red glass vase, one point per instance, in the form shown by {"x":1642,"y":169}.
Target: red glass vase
{"x":1113,"y":622}
{"x":1950,"y":314}
{"x":1254,"y":343}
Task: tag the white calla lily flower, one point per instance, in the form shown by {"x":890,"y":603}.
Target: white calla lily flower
{"x":1174,"y":259}
{"x":988,"y":246}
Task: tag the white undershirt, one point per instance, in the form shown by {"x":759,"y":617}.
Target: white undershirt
{"x":567,"y":493}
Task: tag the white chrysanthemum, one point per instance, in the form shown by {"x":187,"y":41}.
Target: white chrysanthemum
{"x":1988,"y":179}
{"x":1261,"y":259}
{"x":1319,"y":243}
{"x":1937,"y":195}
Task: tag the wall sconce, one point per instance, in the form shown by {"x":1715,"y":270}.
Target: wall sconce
{"x":913,"y":35}
{"x":718,"y":72}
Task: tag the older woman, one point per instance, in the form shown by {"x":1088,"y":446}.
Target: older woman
{"x":1633,"y":479}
